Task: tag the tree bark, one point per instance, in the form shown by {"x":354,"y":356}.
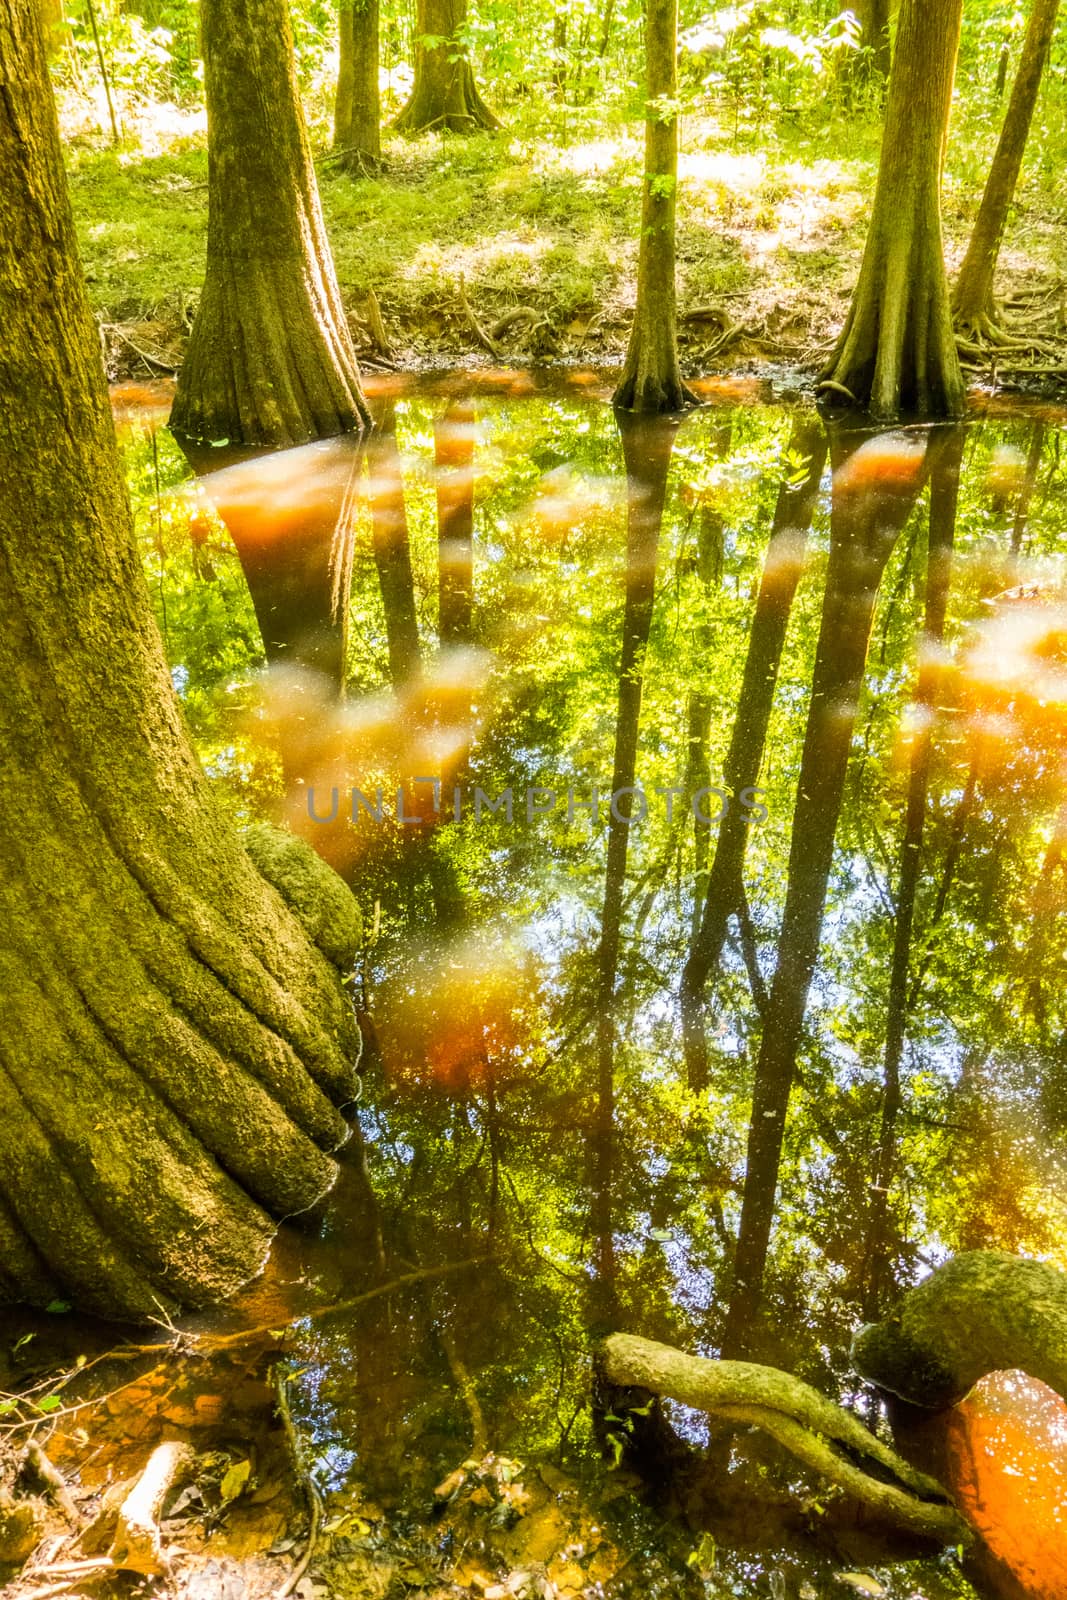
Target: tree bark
{"x":897,"y":352}
{"x":868,"y":514}
{"x":781,"y":574}
{"x":170,"y":1040}
{"x":445,"y":94}
{"x":972,"y":299}
{"x":357,"y":115}
{"x":652,"y":379}
{"x":270,"y":360}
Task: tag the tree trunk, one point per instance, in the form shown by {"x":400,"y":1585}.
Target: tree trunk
{"x":972,"y":299}
{"x":357,"y":113}
{"x":781,"y":575}
{"x":652,"y":379}
{"x":868,"y":514}
{"x":445,"y":94}
{"x":170,"y":1041}
{"x":270,"y":360}
{"x":897,"y":351}
{"x":647,"y":448}
{"x":944,"y":499}
{"x":454,"y":466}
{"x":874,"y":38}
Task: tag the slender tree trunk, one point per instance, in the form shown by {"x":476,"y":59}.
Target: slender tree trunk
{"x":652,"y":379}
{"x":875,"y":37}
{"x":879,"y":1273}
{"x":392,"y":552}
{"x":357,"y":114}
{"x":864,"y":528}
{"x":972,"y":298}
{"x":647,"y":448}
{"x":781,"y":574}
{"x":897,"y":352}
{"x":454,"y":462}
{"x":445,"y":94}
{"x":559,"y":55}
{"x":170,"y":1041}
{"x":270,"y":359}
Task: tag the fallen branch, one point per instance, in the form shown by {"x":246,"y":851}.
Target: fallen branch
{"x":307,"y":1483}
{"x":807,"y":1424}
{"x":137,"y":1545}
{"x":475,"y":326}
{"x":512,"y":319}
{"x":152,"y":362}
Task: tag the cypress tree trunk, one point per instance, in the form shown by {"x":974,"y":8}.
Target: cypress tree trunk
{"x":865,"y":524}
{"x":445,"y":94}
{"x":897,"y":351}
{"x":357,"y":112}
{"x":652,"y":379}
{"x":972,"y":299}
{"x":270,"y":360}
{"x":170,"y":1040}
{"x":874,"y":18}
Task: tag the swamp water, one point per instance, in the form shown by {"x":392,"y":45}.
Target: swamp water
{"x":703,"y":790}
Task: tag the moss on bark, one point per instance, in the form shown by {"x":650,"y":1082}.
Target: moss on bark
{"x":170,"y":1040}
{"x":270,"y":359}
{"x":444,"y":94}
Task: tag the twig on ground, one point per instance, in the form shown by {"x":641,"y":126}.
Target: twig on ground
{"x":475,"y":326}
{"x":137,"y":1545}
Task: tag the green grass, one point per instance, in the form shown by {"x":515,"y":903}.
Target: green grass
{"x":771,"y":224}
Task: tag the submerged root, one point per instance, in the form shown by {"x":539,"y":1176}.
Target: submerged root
{"x":826,"y":1438}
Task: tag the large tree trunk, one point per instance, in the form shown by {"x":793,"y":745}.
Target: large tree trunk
{"x":170,"y":1041}
{"x":972,"y":299}
{"x":357,"y":114}
{"x":868,"y":513}
{"x":652,"y":379}
{"x":270,"y":360}
{"x":445,"y":94}
{"x":781,"y":574}
{"x":897,"y":352}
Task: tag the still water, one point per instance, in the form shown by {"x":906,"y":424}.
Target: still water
{"x":703,"y":790}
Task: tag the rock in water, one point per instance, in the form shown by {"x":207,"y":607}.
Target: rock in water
{"x":983,"y":1311}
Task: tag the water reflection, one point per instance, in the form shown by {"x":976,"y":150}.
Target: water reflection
{"x":722,"y":1078}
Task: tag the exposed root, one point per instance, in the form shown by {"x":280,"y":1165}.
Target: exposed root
{"x":826,"y":1438}
{"x":485,"y":339}
{"x":137,"y":1545}
{"x":307,"y":1484}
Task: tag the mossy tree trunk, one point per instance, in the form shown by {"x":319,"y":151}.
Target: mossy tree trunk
{"x":897,"y":352}
{"x":972,"y":298}
{"x":270,"y":360}
{"x":652,"y":379}
{"x":357,"y":115}
{"x":171,"y":1042}
{"x":445,"y":94}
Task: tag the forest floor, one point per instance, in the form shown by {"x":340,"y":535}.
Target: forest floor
{"x":519,"y":248}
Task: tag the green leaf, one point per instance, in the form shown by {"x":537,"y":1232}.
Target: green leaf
{"x":51,"y":1402}
{"x":56,"y":1308}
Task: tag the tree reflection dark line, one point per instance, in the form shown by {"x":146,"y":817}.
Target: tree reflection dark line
{"x":873,"y":496}
{"x":782,"y":570}
{"x":878,"y":1273}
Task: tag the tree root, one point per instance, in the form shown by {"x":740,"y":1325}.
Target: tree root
{"x":137,"y":1545}
{"x":485,"y":339}
{"x":826,"y":1438}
